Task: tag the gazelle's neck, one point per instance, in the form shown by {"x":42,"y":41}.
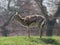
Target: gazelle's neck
{"x":19,"y":18}
{"x":18,"y":15}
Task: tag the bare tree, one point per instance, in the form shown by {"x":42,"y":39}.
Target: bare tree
{"x":3,"y":27}
{"x":50,"y":23}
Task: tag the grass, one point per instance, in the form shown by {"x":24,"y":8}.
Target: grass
{"x":34,"y":40}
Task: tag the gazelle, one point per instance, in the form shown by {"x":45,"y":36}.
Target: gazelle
{"x":28,"y":20}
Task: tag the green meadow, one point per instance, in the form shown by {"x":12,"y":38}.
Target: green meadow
{"x":34,"y":40}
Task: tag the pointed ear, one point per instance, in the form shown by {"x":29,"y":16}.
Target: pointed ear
{"x":16,"y":13}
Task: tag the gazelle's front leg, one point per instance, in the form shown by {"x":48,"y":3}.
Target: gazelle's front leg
{"x":28,"y":31}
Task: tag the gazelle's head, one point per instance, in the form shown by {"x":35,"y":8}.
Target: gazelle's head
{"x":17,"y":15}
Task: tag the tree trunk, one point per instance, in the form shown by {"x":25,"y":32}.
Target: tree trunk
{"x":50,"y":26}
{"x":4,"y":31}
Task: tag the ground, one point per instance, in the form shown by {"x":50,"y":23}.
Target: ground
{"x":34,"y":40}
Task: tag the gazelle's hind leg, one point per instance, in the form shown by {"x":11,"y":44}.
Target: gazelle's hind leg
{"x":41,"y":25}
{"x":40,"y":33}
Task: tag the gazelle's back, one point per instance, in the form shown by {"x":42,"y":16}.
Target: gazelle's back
{"x":33,"y":19}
